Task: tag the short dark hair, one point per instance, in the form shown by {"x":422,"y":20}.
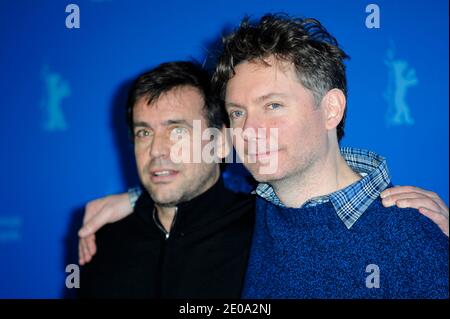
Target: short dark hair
{"x":318,"y":60}
{"x":167,"y":76}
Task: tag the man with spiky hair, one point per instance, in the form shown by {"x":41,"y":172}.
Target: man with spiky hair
{"x":321,"y":230}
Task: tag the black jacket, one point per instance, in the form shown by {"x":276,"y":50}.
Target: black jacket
{"x":205,"y":255}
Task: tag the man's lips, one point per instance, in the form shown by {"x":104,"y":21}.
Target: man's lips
{"x":261,"y":155}
{"x":162,"y":175}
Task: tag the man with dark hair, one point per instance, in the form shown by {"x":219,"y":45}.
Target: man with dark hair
{"x":149,"y":255}
{"x":320,"y":222}
{"x":321,"y":230}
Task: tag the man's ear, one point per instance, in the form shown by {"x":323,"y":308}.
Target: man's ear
{"x":223,"y":143}
{"x":333,"y":104}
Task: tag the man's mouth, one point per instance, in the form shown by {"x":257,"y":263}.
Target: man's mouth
{"x":261,"y":156}
{"x":163,"y":175}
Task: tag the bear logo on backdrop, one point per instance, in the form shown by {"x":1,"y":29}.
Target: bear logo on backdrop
{"x":56,"y":89}
{"x":401,"y":78}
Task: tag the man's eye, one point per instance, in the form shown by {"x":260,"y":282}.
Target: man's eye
{"x":273,"y":106}
{"x":179,"y":131}
{"x":236,"y":114}
{"x":141,"y":133}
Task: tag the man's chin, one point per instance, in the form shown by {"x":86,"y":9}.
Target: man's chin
{"x":264,"y":174}
{"x":163,"y":195}
{"x":165,"y":201}
{"x":264,"y":178}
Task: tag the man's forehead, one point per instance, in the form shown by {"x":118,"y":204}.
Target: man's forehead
{"x":184,"y":103}
{"x":267,"y":64}
{"x":185,"y":98}
{"x":262,"y":71}
{"x":180,"y":96}
{"x":258,"y":81}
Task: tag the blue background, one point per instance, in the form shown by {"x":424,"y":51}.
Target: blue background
{"x":47,"y":175}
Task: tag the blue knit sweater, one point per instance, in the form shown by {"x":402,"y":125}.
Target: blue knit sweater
{"x":309,"y":253}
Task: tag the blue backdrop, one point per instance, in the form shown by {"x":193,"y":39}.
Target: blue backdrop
{"x":63,"y":133}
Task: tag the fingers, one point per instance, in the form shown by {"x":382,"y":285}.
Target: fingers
{"x":437,"y":218}
{"x":95,"y":216}
{"x":412,"y":200}
{"x":444,"y":208}
{"x":405,"y":189}
{"x":91,"y":209}
{"x":85,"y":231}
{"x":94,"y":224}
{"x":426,"y":205}
{"x":91,"y":246}
{"x":395,"y":191}
{"x":424,"y":202}
{"x":98,"y":213}
{"x":80,"y":254}
{"x":82,"y":251}
{"x":86,"y":249}
{"x":390,"y":200}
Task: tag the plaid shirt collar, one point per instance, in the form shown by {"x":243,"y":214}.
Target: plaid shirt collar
{"x":351,"y":202}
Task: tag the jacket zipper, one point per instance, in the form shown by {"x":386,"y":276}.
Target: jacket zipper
{"x":166,"y":233}
{"x":160,"y":281}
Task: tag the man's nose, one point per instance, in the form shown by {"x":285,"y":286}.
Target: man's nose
{"x":254,"y":128}
{"x":160,"y":146}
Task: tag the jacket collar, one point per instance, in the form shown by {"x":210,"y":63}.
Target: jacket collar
{"x":208,"y":206}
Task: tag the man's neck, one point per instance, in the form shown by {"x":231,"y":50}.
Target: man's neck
{"x":166,"y":214}
{"x":323,"y":177}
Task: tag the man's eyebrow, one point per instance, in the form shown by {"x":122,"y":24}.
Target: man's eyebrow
{"x":231,"y":104}
{"x":165,"y":123}
{"x":259,"y":99}
{"x":176,"y":121}
{"x":141,"y":124}
{"x":270,"y":96}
